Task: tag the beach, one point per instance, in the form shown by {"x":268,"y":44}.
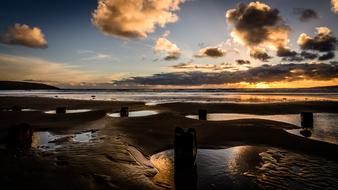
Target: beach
{"x":118,"y":154}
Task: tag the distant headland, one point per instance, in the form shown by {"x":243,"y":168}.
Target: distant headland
{"x":14,"y":85}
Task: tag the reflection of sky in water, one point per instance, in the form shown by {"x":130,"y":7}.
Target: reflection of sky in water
{"x":158,"y":96}
{"x":136,"y":113}
{"x":325,"y":124}
{"x":83,"y":137}
{"x":48,"y":141}
{"x":42,"y":141}
{"x":325,"y":127}
{"x":69,"y":111}
{"x":250,"y":167}
{"x":290,"y":118}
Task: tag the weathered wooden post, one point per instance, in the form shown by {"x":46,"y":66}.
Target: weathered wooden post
{"x":20,"y":137}
{"x":124,"y":112}
{"x":61,"y":110}
{"x":306,"y":119}
{"x":202,"y":114}
{"x":185,"y":151}
{"x":16,"y":108}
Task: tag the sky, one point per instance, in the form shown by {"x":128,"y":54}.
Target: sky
{"x":170,"y":43}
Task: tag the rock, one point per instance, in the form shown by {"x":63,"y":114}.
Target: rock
{"x":306,"y":133}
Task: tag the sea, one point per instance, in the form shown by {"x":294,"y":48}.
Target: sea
{"x":159,"y":96}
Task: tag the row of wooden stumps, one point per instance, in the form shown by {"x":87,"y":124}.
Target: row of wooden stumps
{"x":185,"y":151}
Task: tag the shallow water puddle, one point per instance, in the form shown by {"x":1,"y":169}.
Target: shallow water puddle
{"x":289,"y":118}
{"x":24,"y":110}
{"x":69,"y":111}
{"x":324,"y":126}
{"x":44,"y":141}
{"x":136,"y":113}
{"x":48,"y":141}
{"x":250,"y":167}
{"x":84,"y":137}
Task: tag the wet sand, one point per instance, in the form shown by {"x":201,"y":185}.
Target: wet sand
{"x":118,"y":158}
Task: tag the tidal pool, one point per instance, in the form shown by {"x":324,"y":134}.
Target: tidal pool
{"x":324,"y":124}
{"x":136,"y":113}
{"x":45,"y":140}
{"x":69,"y":111}
{"x":251,"y":167}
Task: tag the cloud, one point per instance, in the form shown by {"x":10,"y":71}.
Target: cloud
{"x":94,"y":56}
{"x":324,"y":41}
{"x":334,"y":6}
{"x":170,"y":49}
{"x":305,"y":15}
{"x":286,"y":52}
{"x":265,"y":73}
{"x":134,"y":19}
{"x":213,"y":52}
{"x":190,"y":66}
{"x":258,"y":27}
{"x":308,"y":55}
{"x":22,"y":34}
{"x":243,"y":62}
{"x":326,"y":56}
{"x":260,"y":53}
{"x":20,"y":68}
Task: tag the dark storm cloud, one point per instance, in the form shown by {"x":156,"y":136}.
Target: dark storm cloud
{"x":305,"y":15}
{"x":264,"y":73}
{"x":326,"y":56}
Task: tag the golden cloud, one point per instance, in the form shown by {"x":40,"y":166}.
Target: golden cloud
{"x":258,"y":27}
{"x":134,"y":18}
{"x":164,"y":45}
{"x":334,"y":5}
{"x":324,"y":41}
{"x":24,"y":35}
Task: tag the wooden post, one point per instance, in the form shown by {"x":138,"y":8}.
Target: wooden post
{"x":61,"y":110}
{"x":202,"y":114}
{"x":124,"y":112}
{"x":185,"y":151}
{"x":16,"y":108}
{"x":20,"y":137}
{"x":306,"y":119}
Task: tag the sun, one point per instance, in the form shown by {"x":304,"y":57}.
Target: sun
{"x":262,"y":85}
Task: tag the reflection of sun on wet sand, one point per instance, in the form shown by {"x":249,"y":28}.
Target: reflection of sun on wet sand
{"x":107,"y":161}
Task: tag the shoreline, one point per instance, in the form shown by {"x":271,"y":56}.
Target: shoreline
{"x":119,"y":156}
